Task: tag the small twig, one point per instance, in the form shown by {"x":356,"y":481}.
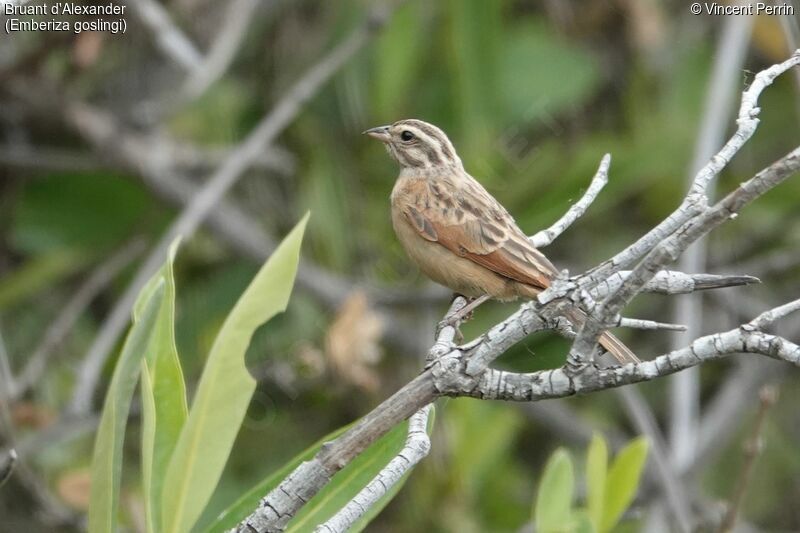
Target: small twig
{"x":694,"y":203}
{"x":637,"y":323}
{"x":672,"y":282}
{"x":547,"y":236}
{"x":752,"y":448}
{"x":767,"y":318}
{"x":416,"y":448}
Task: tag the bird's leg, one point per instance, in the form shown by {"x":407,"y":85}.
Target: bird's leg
{"x":463,"y":314}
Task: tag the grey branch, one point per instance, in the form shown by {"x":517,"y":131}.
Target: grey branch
{"x":672,"y":282}
{"x":210,"y":194}
{"x":638,"y":323}
{"x":416,"y":448}
{"x":465,"y":370}
{"x":547,"y":236}
{"x":695,"y":201}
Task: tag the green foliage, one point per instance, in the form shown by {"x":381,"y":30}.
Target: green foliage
{"x":609,"y":491}
{"x":164,"y":408}
{"x":553,"y":511}
{"x":224,"y":391}
{"x":622,"y":482}
{"x":107,"y":460}
{"x":183,"y":454}
{"x":596,"y":470}
{"x":93,"y":211}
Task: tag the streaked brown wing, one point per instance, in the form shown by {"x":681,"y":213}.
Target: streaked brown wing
{"x":461,"y":215}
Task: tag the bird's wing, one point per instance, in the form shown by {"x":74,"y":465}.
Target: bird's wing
{"x":458,"y":213}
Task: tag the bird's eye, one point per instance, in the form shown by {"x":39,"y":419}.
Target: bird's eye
{"x":406,"y":135}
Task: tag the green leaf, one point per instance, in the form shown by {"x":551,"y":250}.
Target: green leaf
{"x":532,"y":48}
{"x":398,"y":57}
{"x":623,"y":480}
{"x":107,"y":459}
{"x":349,"y":482}
{"x":163,"y":397}
{"x":38,"y":274}
{"x":85,"y":211}
{"x":242,"y":507}
{"x":553,"y":512}
{"x":225,"y":390}
{"x":596,"y":468}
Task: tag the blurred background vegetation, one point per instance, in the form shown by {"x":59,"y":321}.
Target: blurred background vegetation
{"x":532,"y":95}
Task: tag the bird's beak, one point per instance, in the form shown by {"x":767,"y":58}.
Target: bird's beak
{"x":381,"y":133}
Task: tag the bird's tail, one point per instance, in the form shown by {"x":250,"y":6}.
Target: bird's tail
{"x":613,"y":345}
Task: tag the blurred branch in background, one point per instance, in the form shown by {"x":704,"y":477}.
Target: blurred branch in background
{"x":722,"y":88}
{"x":213,"y":190}
{"x":63,"y":324}
{"x":767,"y":397}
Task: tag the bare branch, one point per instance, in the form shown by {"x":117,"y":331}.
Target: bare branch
{"x":767,"y":318}
{"x":416,"y":448}
{"x":638,"y":323}
{"x":695,"y":201}
{"x":670,"y":248}
{"x":545,"y":237}
{"x":672,"y":282}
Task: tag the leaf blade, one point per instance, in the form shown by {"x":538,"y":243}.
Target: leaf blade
{"x":623,"y":480}
{"x":163,"y":390}
{"x":107,"y":456}
{"x":553,"y":509}
{"x":225,"y":390}
{"x":596,"y":471}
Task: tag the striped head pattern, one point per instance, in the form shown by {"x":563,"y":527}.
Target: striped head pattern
{"x":417,"y":145}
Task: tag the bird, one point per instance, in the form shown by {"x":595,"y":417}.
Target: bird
{"x":457,"y":233}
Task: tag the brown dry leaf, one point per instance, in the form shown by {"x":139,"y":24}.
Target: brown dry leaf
{"x":31,"y":415}
{"x":73,"y":488}
{"x":87,"y":48}
{"x":352,"y":342}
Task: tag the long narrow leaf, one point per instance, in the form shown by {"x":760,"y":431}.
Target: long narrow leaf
{"x":623,"y":480}
{"x":596,"y":468}
{"x":553,"y":511}
{"x":224,"y":391}
{"x":164,"y":408}
{"x":107,"y":458}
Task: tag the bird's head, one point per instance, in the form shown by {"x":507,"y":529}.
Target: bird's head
{"x":416,"y":144}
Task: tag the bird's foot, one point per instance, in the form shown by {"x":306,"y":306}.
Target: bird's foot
{"x":450,"y":322}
